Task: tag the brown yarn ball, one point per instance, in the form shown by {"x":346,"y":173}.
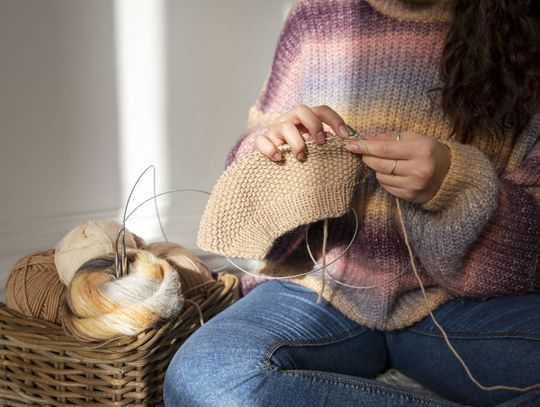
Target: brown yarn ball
{"x":34,"y":288}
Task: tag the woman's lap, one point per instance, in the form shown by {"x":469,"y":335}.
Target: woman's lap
{"x":498,"y":338}
{"x":277,"y":346}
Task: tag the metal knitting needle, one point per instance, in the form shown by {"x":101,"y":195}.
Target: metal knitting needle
{"x":353,"y":135}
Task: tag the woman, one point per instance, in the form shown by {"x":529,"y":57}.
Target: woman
{"x":445,"y":94}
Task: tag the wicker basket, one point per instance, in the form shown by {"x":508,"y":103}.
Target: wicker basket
{"x":43,"y":366}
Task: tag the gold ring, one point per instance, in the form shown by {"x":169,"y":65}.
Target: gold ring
{"x":393,"y":169}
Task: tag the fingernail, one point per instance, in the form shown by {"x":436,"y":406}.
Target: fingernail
{"x":352,"y":147}
{"x":300,"y":156}
{"x":320,"y":137}
{"x":344,"y":131}
{"x":277,"y":156}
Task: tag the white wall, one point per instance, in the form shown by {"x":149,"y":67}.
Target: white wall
{"x":60,"y":154}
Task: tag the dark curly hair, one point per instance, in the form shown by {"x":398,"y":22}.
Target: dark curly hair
{"x":490,"y":67}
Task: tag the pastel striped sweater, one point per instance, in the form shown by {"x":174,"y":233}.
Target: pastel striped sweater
{"x":373,"y":61}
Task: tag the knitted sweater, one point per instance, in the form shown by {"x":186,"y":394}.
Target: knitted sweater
{"x":373,"y":61}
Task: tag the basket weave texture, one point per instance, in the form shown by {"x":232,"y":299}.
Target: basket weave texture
{"x":43,"y":366}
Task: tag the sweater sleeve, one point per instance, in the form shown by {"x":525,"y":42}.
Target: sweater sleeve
{"x":282,"y":88}
{"x":480,"y":234}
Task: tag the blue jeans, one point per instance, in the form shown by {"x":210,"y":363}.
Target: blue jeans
{"x":277,"y":347}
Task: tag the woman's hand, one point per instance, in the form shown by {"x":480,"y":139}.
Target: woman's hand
{"x":412,"y":168}
{"x":299,"y":124}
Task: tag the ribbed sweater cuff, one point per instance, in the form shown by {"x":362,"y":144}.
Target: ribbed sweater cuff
{"x":469,"y":168}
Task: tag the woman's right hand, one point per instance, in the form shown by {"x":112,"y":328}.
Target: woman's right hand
{"x":299,"y":124}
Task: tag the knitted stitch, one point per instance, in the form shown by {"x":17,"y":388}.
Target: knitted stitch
{"x":374,"y":62}
{"x":257,"y":200}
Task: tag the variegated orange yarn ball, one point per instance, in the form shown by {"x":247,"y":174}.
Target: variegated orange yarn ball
{"x":194,"y":275}
{"x":98,"y":305}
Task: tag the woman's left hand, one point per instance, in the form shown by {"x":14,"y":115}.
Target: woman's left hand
{"x":412,"y":168}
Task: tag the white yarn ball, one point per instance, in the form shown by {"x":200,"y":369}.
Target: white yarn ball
{"x":92,"y":239}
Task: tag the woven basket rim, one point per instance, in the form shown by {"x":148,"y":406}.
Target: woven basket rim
{"x":31,"y":330}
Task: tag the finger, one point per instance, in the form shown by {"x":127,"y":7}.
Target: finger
{"x":385,"y":136}
{"x":333,"y":119}
{"x":293,"y":138}
{"x":395,"y":181}
{"x":393,"y":150}
{"x":306,"y":119}
{"x":392,"y":136}
{"x":267,"y":147}
{"x":384,"y":166}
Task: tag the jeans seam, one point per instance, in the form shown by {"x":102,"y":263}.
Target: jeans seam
{"x":266,"y":362}
{"x":368,"y":387}
{"x":468,"y":335}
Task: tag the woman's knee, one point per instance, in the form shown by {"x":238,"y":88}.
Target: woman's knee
{"x":214,"y":367}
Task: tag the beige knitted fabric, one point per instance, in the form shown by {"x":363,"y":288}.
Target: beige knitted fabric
{"x":256,"y":200}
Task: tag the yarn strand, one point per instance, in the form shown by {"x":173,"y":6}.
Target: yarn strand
{"x":197,"y":286}
{"x":201,"y":319}
{"x":358,"y":287}
{"x":439,"y":326}
{"x":325,"y":238}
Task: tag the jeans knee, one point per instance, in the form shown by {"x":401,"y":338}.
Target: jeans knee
{"x":210,"y":370}
{"x":178,"y":388}
{"x":185,"y":382}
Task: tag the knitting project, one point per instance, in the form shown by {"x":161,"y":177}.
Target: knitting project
{"x":256,"y":200}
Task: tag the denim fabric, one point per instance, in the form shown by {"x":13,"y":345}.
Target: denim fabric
{"x":278,"y":347}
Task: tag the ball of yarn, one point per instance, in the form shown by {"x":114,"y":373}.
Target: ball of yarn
{"x":194,"y":275}
{"x":139,"y":242}
{"x":98,"y":306}
{"x":33,"y":287}
{"x":92,"y":239}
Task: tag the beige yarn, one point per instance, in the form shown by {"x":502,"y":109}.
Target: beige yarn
{"x":256,"y":200}
{"x":92,"y":239}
